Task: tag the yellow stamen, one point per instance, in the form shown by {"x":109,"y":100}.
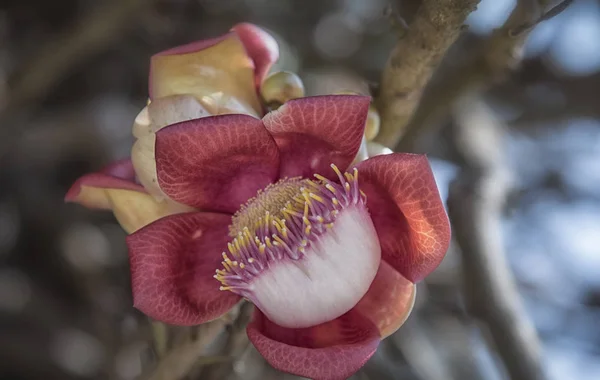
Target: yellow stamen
{"x":320,"y":178}
{"x":317,"y":198}
{"x":272,"y":199}
{"x":278,"y":240}
{"x":336,"y":170}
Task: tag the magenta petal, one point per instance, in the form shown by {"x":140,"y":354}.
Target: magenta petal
{"x":173,"y":261}
{"x":389,"y":300}
{"x":332,"y":350}
{"x":260,"y":46}
{"x":314,"y":132}
{"x":215,"y":163}
{"x":121,"y":169}
{"x":117,"y":175}
{"x":407,"y":212}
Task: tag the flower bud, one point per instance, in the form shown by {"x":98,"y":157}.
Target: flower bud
{"x":347,"y":92}
{"x":373,"y":123}
{"x":375,"y":149}
{"x":280,"y":87}
{"x":373,"y":119}
{"x":362,"y":153}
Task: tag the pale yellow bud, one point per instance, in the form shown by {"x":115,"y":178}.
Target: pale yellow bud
{"x":347,"y":92}
{"x":281,"y":86}
{"x":362,"y":153}
{"x":375,"y":149}
{"x":373,"y":123}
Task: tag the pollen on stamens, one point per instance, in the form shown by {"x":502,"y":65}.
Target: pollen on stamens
{"x":281,"y":222}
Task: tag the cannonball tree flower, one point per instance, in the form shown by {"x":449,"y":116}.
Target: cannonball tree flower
{"x":328,"y":253}
{"x":210,"y":77}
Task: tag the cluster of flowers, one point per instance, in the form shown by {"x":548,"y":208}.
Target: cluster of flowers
{"x":223,"y":202}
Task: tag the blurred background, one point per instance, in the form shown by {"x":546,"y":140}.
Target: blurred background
{"x":73,"y":76}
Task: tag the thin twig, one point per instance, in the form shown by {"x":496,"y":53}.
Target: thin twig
{"x":237,"y":342}
{"x":179,"y":361}
{"x":417,"y":53}
{"x":552,"y":12}
{"x":475,"y":204}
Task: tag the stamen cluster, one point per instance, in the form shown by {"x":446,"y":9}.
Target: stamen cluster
{"x":303,"y":219}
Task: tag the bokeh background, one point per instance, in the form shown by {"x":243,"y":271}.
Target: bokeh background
{"x":73,"y":77}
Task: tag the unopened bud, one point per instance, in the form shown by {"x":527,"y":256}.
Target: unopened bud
{"x":376,"y":149}
{"x":362,"y":153}
{"x":347,"y":92}
{"x":373,"y":123}
{"x":281,"y":86}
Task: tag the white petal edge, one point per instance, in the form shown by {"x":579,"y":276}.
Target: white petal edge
{"x":334,"y":275}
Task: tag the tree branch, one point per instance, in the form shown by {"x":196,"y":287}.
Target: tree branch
{"x":475,"y":205}
{"x":236,"y":343}
{"x":411,"y":63}
{"x":496,"y":56}
{"x":177,"y":363}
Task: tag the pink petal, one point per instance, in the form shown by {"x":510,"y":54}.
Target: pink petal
{"x":388,"y":301}
{"x":218,"y":72}
{"x":314,"y":132}
{"x":184,"y":49}
{"x":215,"y":163}
{"x":160,"y":113}
{"x":113,"y":188}
{"x":260,"y":46}
{"x":121,"y":169}
{"x":118,"y":175}
{"x":173,"y":261}
{"x":193,"y":47}
{"x":407,"y":211}
{"x":332,"y":350}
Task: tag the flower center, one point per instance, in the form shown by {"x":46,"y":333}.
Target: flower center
{"x":303,"y":251}
{"x":273,"y":200}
